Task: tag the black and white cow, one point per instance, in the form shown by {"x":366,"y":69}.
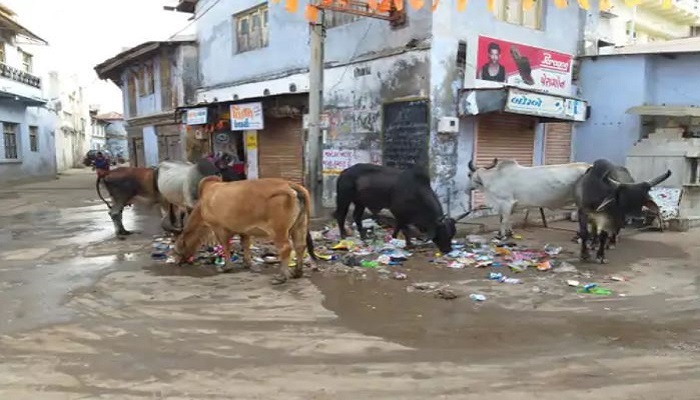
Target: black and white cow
{"x":606,"y":195}
{"x":406,"y":193}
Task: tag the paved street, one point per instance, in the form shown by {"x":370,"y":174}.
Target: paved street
{"x":86,"y":316}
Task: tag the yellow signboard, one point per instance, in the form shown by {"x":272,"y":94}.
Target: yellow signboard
{"x":251,"y":140}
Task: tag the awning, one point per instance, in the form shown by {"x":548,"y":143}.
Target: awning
{"x":519,"y":101}
{"x":13,"y":26}
{"x":665,"y":111}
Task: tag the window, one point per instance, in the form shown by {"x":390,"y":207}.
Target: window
{"x":512,"y":11}
{"x":27,"y":62}
{"x":9,"y":139}
{"x":2,"y":52}
{"x":34,"y":138}
{"x":146,"y":78}
{"x":251,"y":29}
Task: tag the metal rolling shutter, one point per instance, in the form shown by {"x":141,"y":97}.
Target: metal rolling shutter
{"x":557,"y":143}
{"x":280,"y":149}
{"x":503,"y":136}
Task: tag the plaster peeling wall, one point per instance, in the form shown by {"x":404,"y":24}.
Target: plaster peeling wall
{"x":354,"y":107}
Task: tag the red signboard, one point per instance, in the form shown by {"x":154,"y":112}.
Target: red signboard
{"x":524,"y":66}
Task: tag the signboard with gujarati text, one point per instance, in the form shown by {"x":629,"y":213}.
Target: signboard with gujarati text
{"x":515,"y":64}
{"x":544,"y":105}
{"x":247,"y":116}
{"x":197,"y":116}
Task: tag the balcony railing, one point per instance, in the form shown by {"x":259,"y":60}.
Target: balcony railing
{"x":20,"y":76}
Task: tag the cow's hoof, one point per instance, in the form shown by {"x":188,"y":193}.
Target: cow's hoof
{"x":278,"y":279}
{"x":602,"y":260}
{"x":611,"y":247}
{"x":121,"y":237}
{"x":224,"y":269}
{"x":585,"y":257}
{"x":297,"y":274}
{"x":125,"y":233}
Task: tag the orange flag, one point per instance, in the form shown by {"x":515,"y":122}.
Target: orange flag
{"x":527,"y":4}
{"x":461,"y":5}
{"x":490,"y":5}
{"x":311,"y":13}
{"x":326,"y":2}
{"x":666,"y":4}
{"x":372,"y":5}
{"x":632,"y":3}
{"x":398,"y":5}
{"x":291,"y":5}
{"x":343,"y":3}
{"x":561,"y":3}
{"x":604,"y":5}
{"x":435,"y":5}
{"x":384,"y":6}
{"x":417,"y":4}
{"x":584,"y":4}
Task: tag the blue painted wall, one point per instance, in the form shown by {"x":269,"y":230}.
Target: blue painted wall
{"x":613,"y":84}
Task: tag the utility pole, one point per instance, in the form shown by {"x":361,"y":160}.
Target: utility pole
{"x":314,"y":179}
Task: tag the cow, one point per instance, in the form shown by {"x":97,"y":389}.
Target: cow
{"x":405,"y":193}
{"x":606,"y":195}
{"x":124,"y":185}
{"x":269,"y":207}
{"x":178,"y":185}
{"x":509,"y":186}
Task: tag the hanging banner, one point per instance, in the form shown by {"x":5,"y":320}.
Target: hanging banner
{"x":247,"y":116}
{"x":529,"y":67}
{"x":197,"y":116}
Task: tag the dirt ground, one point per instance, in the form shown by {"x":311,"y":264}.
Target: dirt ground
{"x":86,"y":316}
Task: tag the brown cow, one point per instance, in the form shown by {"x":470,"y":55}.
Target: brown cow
{"x":126,"y":184}
{"x":271,"y":207}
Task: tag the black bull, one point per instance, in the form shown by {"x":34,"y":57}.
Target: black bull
{"x":406,"y":193}
{"x":606,"y":195}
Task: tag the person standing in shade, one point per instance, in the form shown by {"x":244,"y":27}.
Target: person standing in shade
{"x":493,"y":70}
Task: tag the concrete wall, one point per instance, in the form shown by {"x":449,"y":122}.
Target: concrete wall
{"x":613,"y":84}
{"x":562,"y":29}
{"x":31,"y":164}
{"x":354,"y":105}
{"x":288,"y":48}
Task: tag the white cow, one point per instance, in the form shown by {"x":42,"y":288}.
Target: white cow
{"x":508,"y":186}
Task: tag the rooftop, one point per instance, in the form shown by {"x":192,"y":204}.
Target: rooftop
{"x":8,"y":23}
{"x":111,"y":68}
{"x":685,"y":45}
{"x":110,"y":116}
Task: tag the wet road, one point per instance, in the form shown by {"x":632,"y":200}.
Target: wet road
{"x":85,"y":316}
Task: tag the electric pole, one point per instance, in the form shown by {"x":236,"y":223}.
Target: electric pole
{"x":314,"y":179}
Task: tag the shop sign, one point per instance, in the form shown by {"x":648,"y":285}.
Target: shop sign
{"x":499,"y":62}
{"x":247,"y":116}
{"x":543,"y":105}
{"x":197,"y":116}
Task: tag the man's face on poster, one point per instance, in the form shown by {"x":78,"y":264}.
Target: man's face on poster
{"x":494,"y":56}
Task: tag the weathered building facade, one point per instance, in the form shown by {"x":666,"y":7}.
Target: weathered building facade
{"x":394,"y":93}
{"x":155,"y":79}
{"x":27,"y":148}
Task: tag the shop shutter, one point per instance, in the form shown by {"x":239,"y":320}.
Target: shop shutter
{"x":557,"y":143}
{"x":280,"y":149}
{"x":503,"y":136}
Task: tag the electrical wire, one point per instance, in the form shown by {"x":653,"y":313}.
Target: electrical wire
{"x":195,"y":19}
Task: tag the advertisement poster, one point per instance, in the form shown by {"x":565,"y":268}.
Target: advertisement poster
{"x":524,"y":66}
{"x":247,"y":116}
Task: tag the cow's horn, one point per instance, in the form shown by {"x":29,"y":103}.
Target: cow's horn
{"x":471,"y":166}
{"x":495,"y":161}
{"x":613,"y":182}
{"x":660,"y":178}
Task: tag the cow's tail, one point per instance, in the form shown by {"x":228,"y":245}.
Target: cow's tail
{"x":305,"y":202}
{"x":99,"y":180}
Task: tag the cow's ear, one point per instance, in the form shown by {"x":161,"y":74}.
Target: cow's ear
{"x":605,"y":203}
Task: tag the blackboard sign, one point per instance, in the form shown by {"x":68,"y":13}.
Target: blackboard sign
{"x":406,"y":134}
